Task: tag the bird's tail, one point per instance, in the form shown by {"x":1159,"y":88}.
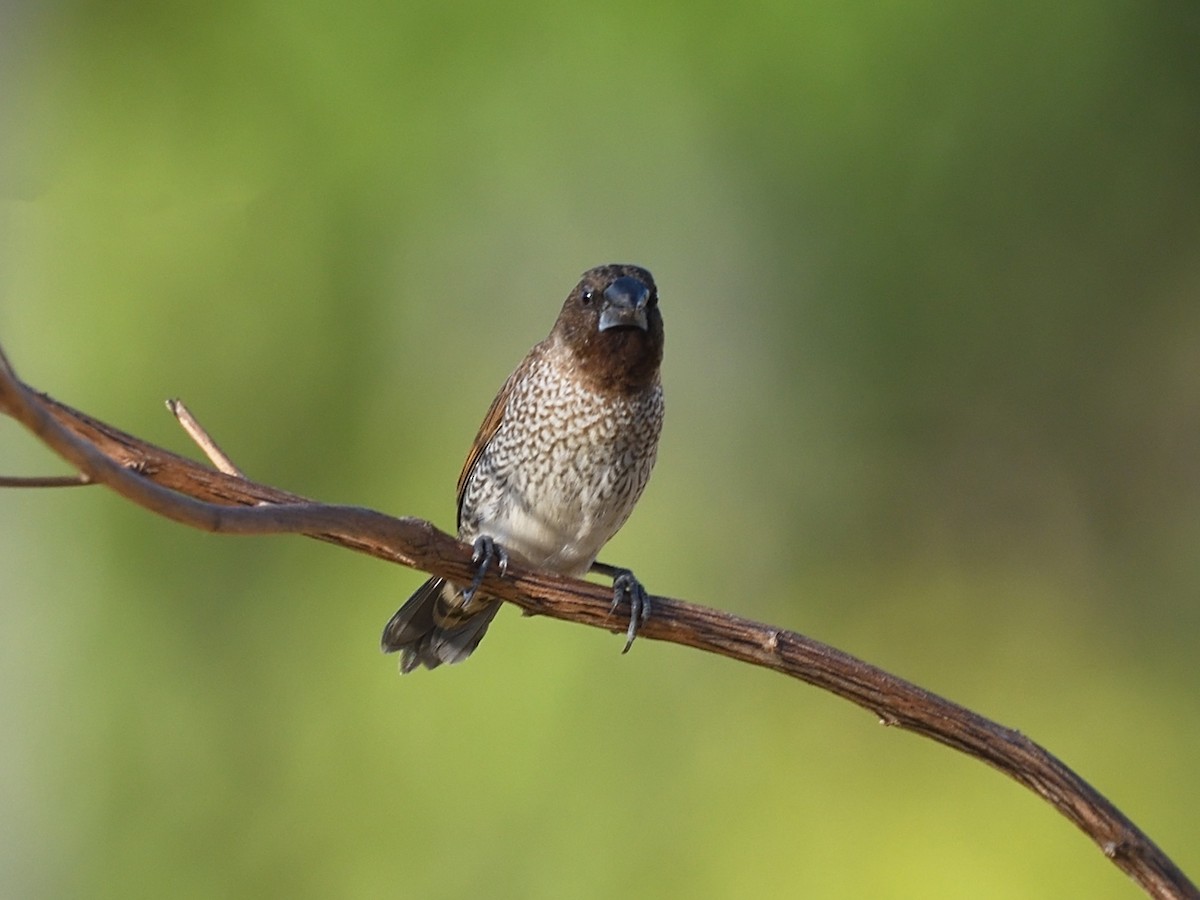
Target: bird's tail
{"x":435,"y":627}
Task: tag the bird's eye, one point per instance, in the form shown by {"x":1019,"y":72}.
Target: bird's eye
{"x":653,"y":301}
{"x":587,"y":297}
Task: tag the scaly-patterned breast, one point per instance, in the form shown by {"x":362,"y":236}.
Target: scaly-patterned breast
{"x":564,"y":469}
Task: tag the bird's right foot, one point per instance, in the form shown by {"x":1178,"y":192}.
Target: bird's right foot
{"x":486,"y":552}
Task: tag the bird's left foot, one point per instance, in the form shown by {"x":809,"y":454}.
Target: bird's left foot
{"x":625,"y":585}
{"x":486,"y":552}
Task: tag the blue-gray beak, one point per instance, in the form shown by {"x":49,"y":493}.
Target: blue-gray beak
{"x":625,"y":302}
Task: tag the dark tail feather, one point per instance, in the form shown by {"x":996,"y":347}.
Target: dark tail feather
{"x":428,"y":635}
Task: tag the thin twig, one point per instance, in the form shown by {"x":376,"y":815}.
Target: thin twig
{"x":25,"y":481}
{"x":203,"y":439}
{"x":188,"y":492}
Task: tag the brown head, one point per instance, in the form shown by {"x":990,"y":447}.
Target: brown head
{"x":612,"y":326}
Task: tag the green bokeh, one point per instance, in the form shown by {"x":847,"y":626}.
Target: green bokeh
{"x":930,"y":277}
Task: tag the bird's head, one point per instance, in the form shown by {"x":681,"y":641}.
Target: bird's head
{"x":613,"y":327}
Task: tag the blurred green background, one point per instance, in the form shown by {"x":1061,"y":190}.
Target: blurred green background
{"x":930,"y":277}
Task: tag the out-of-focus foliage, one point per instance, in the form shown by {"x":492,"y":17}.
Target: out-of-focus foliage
{"x":930,"y":275}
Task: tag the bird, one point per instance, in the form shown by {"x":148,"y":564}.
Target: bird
{"x":562,"y":456}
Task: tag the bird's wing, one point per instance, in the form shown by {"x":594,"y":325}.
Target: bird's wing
{"x":491,"y":424}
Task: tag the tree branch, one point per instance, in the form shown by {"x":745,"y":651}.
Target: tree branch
{"x":185,"y":491}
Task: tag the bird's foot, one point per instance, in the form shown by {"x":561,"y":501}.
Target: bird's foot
{"x":625,"y":585}
{"x":486,"y":551}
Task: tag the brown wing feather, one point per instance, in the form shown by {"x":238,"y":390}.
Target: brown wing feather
{"x":491,"y":424}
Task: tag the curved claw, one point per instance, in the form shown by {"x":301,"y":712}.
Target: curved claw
{"x":625,"y":584}
{"x":486,"y":551}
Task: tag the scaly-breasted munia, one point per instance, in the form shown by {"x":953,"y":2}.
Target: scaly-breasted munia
{"x":559,"y":462}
